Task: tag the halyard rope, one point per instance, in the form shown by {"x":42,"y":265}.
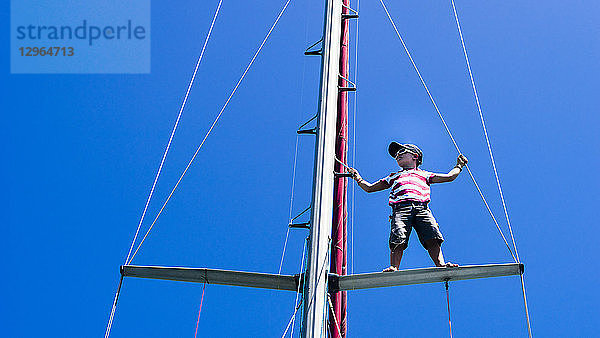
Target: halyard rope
{"x":212,"y":126}
{"x":447,"y":129}
{"x":487,"y":140}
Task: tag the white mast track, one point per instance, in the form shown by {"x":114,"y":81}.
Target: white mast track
{"x":317,"y":266}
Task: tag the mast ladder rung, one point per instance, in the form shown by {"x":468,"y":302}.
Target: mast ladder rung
{"x":307,"y":131}
{"x":311,"y":131}
{"x":303,"y":225}
{"x":308,"y":50}
{"x":347,"y":89}
{"x":354,"y":14}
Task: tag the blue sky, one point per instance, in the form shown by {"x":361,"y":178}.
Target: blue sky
{"x":81,"y":152}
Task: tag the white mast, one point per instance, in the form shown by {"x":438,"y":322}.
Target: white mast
{"x":315,"y":287}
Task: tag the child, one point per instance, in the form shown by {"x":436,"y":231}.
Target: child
{"x":409,"y":198}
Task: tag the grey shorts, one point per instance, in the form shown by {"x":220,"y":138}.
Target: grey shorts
{"x":408,"y":215}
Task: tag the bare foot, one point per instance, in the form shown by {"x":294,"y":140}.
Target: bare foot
{"x":450,"y":265}
{"x":390,"y":268}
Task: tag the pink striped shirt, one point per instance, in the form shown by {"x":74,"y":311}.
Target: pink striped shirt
{"x":409,"y":185}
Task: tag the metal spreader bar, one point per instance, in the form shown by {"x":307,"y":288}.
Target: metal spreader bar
{"x":211,"y":276}
{"x":421,"y":276}
{"x":336,"y":283}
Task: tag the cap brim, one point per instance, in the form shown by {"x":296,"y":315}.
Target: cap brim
{"x":393,"y":148}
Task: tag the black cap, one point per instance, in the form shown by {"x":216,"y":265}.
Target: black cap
{"x":395,"y":147}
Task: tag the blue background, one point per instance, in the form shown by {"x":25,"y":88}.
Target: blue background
{"x":81,"y":151}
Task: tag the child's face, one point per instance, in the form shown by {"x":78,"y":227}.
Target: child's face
{"x":406,"y":159}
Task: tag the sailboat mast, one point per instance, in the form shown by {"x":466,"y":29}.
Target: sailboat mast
{"x":315,"y":282}
{"x":339,"y":231}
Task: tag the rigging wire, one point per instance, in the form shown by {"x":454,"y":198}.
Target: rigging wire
{"x":187,"y":93}
{"x":114,"y":308}
{"x":320,"y":274}
{"x":325,"y":263}
{"x":329,"y":329}
{"x":526,"y":307}
{"x":296,"y":304}
{"x":448,"y":130}
{"x":127,"y":260}
{"x":287,"y":233}
{"x":325,"y":321}
{"x":212,"y":126}
{"x":487,"y":140}
{"x":200,"y":310}
{"x":448,"y":302}
{"x":296,"y":148}
{"x":290,"y":322}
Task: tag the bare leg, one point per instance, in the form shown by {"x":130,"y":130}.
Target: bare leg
{"x":435,"y":252}
{"x":395,"y":258}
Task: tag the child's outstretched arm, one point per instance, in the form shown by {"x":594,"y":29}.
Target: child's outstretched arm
{"x":452,"y":174}
{"x":366,"y":186}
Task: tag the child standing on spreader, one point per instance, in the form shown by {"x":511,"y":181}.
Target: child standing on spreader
{"x":409,"y":198}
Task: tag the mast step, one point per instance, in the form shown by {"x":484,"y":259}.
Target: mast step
{"x":353,"y":15}
{"x":304,"y":225}
{"x":311,"y":51}
{"x":312,"y":131}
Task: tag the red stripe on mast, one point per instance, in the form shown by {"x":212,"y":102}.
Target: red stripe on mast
{"x":339,"y":228}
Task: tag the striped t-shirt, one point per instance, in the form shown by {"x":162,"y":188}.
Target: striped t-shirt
{"x":409,"y":185}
